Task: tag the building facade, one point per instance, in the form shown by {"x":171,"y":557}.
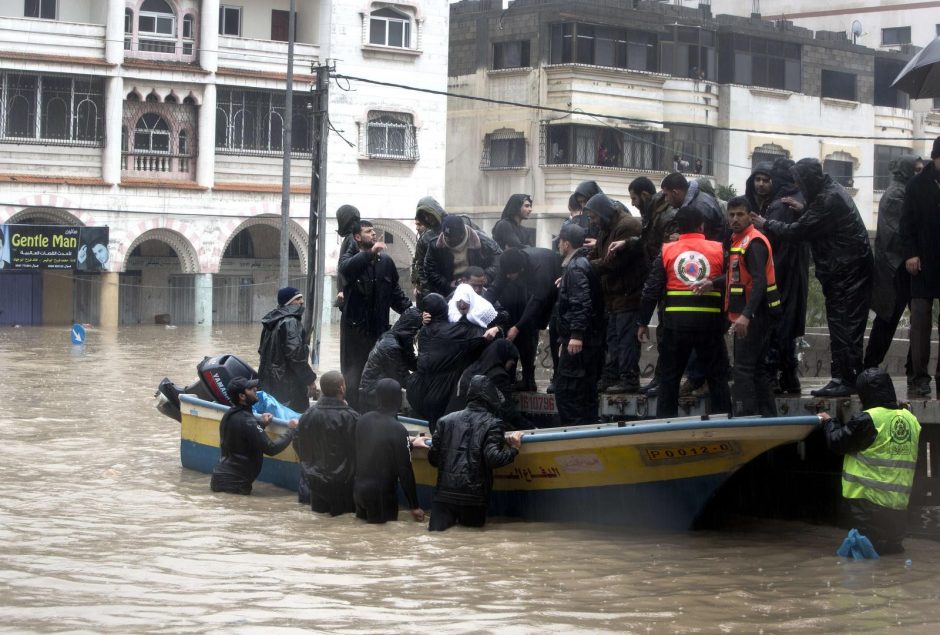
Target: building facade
{"x":644,"y":88}
{"x":163,"y":120}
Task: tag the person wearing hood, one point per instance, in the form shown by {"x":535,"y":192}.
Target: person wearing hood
{"x":498,"y":364}
{"x":453,"y":251}
{"x":347,"y":217}
{"x":585,"y":191}
{"x":791,"y":264}
{"x":508,"y":231}
{"x":466,"y":446}
{"x":428,"y":217}
{"x":682,"y":193}
{"x":618,"y":258}
{"x":842,"y":254}
{"x":243,"y":441}
{"x":371,"y":290}
{"x":920,"y":236}
{"x":581,"y":331}
{"x":383,"y":460}
{"x":891,"y":283}
{"x":760,"y":187}
{"x":880,"y":445}
{"x":284,"y":371}
{"x":525,"y":287}
{"x":445,"y":349}
{"x":325,"y":446}
{"x":392,"y":357}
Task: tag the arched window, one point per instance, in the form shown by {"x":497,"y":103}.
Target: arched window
{"x":55,"y":119}
{"x":153,"y":98}
{"x":768,"y":153}
{"x":151,"y":134}
{"x":388,"y":27}
{"x":156,"y":27}
{"x":86,"y":120}
{"x":221,"y":128}
{"x":841,"y":167}
{"x":391,"y":135}
{"x":273,"y":132}
{"x":19,"y":117}
{"x":171,"y":99}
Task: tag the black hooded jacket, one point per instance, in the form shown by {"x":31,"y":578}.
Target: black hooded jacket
{"x":581,"y":302}
{"x":467,"y":446}
{"x":482,"y":251}
{"x":431,"y":213}
{"x":508,"y":231}
{"x":920,"y":230}
{"x":530,"y":297}
{"x":392,"y":357}
{"x":325,"y":445}
{"x":766,"y":168}
{"x":659,"y":222}
{"x":243,"y":444}
{"x":492,"y":365}
{"x":622,"y":273}
{"x":346,"y":218}
{"x":283,"y":371}
{"x":588,"y":189}
{"x":875,"y":390}
{"x":372,"y":289}
{"x":889,"y":249}
{"x":716,"y":222}
{"x":830,"y":223}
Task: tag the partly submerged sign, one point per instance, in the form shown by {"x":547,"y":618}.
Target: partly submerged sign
{"x":54,"y":247}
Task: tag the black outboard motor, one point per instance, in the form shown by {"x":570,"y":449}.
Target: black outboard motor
{"x":216,"y":372}
{"x":168,"y":395}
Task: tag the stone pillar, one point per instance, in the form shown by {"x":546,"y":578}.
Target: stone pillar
{"x":114,"y":33}
{"x":205,"y":162}
{"x":203,"y":306}
{"x":113,"y":122}
{"x":110,"y":299}
{"x":209,"y":36}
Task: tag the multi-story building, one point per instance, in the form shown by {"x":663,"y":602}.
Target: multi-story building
{"x":162,"y":120}
{"x":644,"y":87}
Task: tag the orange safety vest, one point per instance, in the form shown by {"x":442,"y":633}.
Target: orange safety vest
{"x":739,"y":280}
{"x":691,"y":259}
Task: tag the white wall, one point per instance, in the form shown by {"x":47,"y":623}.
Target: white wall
{"x":256,"y":17}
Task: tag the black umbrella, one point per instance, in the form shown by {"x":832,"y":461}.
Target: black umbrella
{"x":921,"y":77}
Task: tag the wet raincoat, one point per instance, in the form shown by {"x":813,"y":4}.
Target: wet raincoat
{"x":716,"y":222}
{"x":431,"y":213}
{"x":325,"y":445}
{"x":283,"y":371}
{"x":243,"y":444}
{"x":508,"y":231}
{"x":392,"y":357}
{"x":889,"y":248}
{"x":492,"y":365}
{"x":920,"y":230}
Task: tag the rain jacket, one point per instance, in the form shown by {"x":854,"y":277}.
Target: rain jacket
{"x":750,"y":192}
{"x":346,"y":218}
{"x":467,"y":446}
{"x":492,"y":365}
{"x":889,"y":248}
{"x":283,"y":371}
{"x":530,"y":297}
{"x":920,"y":230}
{"x":508,"y":231}
{"x":716,"y":222}
{"x":588,"y":189}
{"x":482,"y":251}
{"x":432,"y":213}
{"x":371,"y":290}
{"x":581,"y":302}
{"x":621,"y":274}
{"x":243,"y":444}
{"x":659,"y":222}
{"x":392,"y":357}
{"x":382,"y":462}
{"x":325,"y":443}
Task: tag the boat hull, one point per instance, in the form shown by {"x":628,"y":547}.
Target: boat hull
{"x":652,"y":474}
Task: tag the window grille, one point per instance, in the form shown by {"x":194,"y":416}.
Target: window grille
{"x":840,"y":166}
{"x":600,"y":146}
{"x":503,"y":150}
{"x":250,"y":122}
{"x":51,"y":109}
{"x":390,"y":135}
{"x":159,"y":140}
{"x":768,"y":153}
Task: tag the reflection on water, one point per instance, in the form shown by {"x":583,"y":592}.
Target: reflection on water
{"x":102,"y":530}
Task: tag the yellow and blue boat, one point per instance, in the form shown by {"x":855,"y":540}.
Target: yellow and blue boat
{"x":649,"y":473}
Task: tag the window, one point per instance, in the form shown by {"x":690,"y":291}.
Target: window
{"x":250,"y":122}
{"x":128,"y":28}
{"x":70,"y":109}
{"x":885,"y":95}
{"x":388,"y":27}
{"x":838,"y":85}
{"x":840,"y":167}
{"x":768,"y":153}
{"x":502,"y":150}
{"x":230,"y":20}
{"x":896,"y":35}
{"x":755,"y":61}
{"x":571,"y":144}
{"x":693,"y":145}
{"x":156,"y":27}
{"x":688,"y":52}
{"x":160,"y":137}
{"x":602,"y":46}
{"x":884,"y":157}
{"x":44,"y":9}
{"x":280,"y":25}
{"x":391,"y":135}
{"x":189,"y":37}
{"x":151,"y":134}
{"x":511,"y":55}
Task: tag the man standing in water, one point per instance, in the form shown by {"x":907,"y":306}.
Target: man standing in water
{"x":243,"y":441}
{"x":284,"y":372}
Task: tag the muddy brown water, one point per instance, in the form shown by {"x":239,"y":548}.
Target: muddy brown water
{"x":101,"y":530}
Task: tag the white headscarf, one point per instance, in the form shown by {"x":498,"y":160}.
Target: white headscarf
{"x":481,"y":312}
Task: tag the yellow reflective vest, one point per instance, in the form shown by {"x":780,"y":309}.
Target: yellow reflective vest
{"x":883,"y":473}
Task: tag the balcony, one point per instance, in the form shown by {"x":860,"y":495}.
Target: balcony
{"x":893,"y":122}
{"x":601,"y":89}
{"x":265,"y":56}
{"x":41,"y":40}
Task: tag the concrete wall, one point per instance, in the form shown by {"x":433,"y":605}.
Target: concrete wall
{"x":256,"y":18}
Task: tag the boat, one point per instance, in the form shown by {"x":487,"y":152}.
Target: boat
{"x":654,"y":473}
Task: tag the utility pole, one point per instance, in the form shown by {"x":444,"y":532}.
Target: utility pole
{"x":286,"y":145}
{"x":317,"y":227}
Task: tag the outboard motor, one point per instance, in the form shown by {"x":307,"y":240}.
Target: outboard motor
{"x":216,"y":372}
{"x":168,"y":396}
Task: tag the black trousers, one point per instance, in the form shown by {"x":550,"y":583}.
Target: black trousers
{"x":752,"y":372}
{"x":882,"y":330}
{"x":376,"y":502}
{"x":528,"y":343}
{"x":446,"y":515}
{"x":884,"y":527}
{"x":674,"y":354}
{"x":921,"y":326}
{"x":848,"y":298}
{"x":354,"y":348}
{"x":576,"y":384}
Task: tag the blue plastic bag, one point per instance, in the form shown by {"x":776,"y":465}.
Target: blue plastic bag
{"x":857,"y":546}
{"x":267,"y":403}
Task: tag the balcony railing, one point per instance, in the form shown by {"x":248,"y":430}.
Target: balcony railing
{"x":158,"y":165}
{"x":52,"y":37}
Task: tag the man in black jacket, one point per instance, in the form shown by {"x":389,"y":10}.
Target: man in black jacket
{"x":760,"y":187}
{"x":680,"y":193}
{"x":580,"y":312}
{"x":920,"y":235}
{"x":457,"y":248}
{"x":508,"y":231}
{"x":466,"y":447}
{"x":525,"y":287}
{"x":371,"y":290}
{"x":243,"y":441}
{"x":392,"y":357}
{"x":325,"y":446}
{"x":383,"y":460}
{"x":428,"y":217}
{"x":842,"y":253}
{"x":284,"y":371}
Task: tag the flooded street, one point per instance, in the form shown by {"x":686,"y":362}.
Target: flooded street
{"x":101,"y":530}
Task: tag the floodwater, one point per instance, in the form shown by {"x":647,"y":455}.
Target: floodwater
{"x":101,"y":530}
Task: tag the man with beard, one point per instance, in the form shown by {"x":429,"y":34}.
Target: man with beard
{"x":371,"y":290}
{"x":842,"y":254}
{"x":759,"y":188}
{"x":456,"y":249}
{"x":284,"y":371}
{"x":508,"y":231}
{"x":428,"y":217}
{"x":681,"y":193}
{"x":243,"y":441}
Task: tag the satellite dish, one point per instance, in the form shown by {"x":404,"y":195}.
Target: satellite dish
{"x":856,"y":30}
